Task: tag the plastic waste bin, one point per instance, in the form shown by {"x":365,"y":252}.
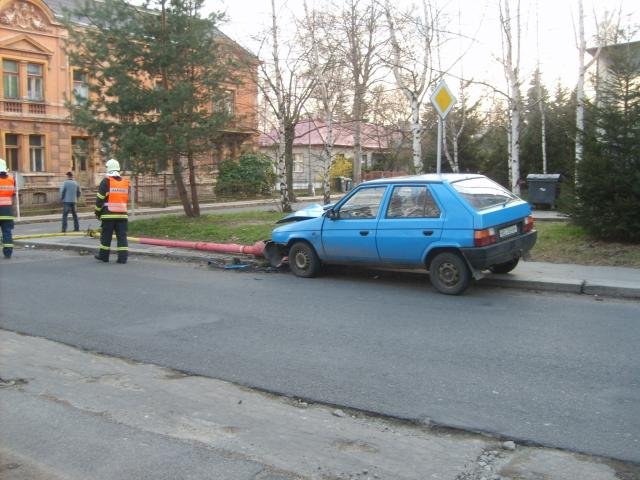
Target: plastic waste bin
{"x":543,"y":188}
{"x":339,"y":184}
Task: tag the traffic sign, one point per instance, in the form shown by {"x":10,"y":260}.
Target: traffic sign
{"x":442,"y":99}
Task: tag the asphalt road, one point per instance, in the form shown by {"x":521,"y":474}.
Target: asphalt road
{"x":554,"y":370}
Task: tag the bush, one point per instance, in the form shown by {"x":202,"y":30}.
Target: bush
{"x":250,"y":176}
{"x":341,"y":167}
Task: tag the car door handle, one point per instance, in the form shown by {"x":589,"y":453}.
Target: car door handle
{"x":427,"y":233}
{"x":364,"y":233}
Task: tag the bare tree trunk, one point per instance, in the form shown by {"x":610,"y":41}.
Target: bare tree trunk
{"x":360,"y":28}
{"x":358,"y":100}
{"x":194,"y":186}
{"x":180,"y":186}
{"x":511,"y":58}
{"x":580,"y":95}
{"x":324,"y":71}
{"x":279,"y":92}
{"x":411,"y":82}
{"x":543,"y":129}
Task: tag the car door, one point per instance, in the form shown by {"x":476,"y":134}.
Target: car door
{"x":411,"y":222}
{"x":349,"y":233}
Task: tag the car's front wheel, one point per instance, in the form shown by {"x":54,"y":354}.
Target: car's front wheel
{"x":303,"y":260}
{"x":505,"y":267}
{"x":449,"y":273}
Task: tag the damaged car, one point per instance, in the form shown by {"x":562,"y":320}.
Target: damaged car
{"x":457,"y":227}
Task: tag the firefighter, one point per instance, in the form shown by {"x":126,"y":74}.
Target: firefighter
{"x":7,"y":196}
{"x":111,"y":210}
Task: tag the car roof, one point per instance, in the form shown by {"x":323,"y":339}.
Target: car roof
{"x":427,"y":177}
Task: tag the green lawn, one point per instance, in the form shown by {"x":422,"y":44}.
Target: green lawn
{"x":562,"y":242}
{"x":245,"y":227}
{"x":558,"y":242}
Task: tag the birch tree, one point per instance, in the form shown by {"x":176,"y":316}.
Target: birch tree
{"x":286,"y":89}
{"x":606,"y":30}
{"x":328,"y":73}
{"x":411,"y":66}
{"x":511,"y":62}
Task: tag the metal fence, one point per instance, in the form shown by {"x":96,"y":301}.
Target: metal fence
{"x":43,"y":193}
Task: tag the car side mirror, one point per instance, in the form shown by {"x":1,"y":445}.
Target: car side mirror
{"x":332,"y":214}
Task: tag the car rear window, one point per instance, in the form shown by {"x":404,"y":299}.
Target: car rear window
{"x":482,"y":193}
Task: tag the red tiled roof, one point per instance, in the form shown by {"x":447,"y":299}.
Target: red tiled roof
{"x":314,"y":133}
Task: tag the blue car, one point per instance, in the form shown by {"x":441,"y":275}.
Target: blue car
{"x":456,"y":226}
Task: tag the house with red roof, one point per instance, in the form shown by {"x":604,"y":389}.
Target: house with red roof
{"x":309,"y":144}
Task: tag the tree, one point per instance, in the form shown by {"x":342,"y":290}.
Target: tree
{"x":412,"y":69}
{"x":511,"y":63}
{"x":287,"y":87}
{"x":154,"y":73}
{"x":360,"y":27}
{"x":328,"y":71}
{"x":533,"y":144}
{"x":610,"y":170}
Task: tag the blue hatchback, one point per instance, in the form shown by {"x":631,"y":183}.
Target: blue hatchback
{"x":455,"y":226}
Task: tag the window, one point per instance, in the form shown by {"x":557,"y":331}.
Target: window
{"x":10,"y":79}
{"x":482,"y":193}
{"x":412,"y":202}
{"x":36,"y":153}
{"x":80,"y":86}
{"x":298,"y":163}
{"x":12,"y":151}
{"x":34,"y":82}
{"x":79,"y":154}
{"x":363,"y":204}
{"x":226,"y":103}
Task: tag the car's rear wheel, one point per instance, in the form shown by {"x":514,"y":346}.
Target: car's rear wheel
{"x":303,"y":260}
{"x":505,"y":267}
{"x":449,"y":273}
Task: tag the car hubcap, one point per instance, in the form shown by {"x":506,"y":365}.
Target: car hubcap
{"x":301,"y":260}
{"x":448,"y":274}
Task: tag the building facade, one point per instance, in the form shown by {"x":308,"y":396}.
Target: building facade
{"x":37,"y":138}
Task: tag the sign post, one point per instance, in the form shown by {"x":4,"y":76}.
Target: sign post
{"x":443,"y":101}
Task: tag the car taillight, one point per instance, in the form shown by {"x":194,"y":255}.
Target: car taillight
{"x":482,"y":238}
{"x":527,"y":224}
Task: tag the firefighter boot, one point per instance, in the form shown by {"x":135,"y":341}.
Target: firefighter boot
{"x":102,"y":255}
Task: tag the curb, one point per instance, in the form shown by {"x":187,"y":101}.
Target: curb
{"x":576,"y":287}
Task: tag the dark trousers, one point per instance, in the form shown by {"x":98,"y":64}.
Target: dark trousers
{"x":108,"y":227}
{"x":66,"y":208}
{"x":7,"y":237}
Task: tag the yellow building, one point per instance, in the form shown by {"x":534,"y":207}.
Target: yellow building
{"x":38,"y":140}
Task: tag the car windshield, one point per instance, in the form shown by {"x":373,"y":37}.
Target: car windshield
{"x":482,"y":193}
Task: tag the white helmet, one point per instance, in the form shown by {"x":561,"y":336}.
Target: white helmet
{"x":113,"y":165}
{"x":3,"y":165}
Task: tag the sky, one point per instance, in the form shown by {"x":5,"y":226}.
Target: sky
{"x":549,"y":32}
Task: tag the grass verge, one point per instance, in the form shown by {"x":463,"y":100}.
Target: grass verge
{"x":558,"y":242}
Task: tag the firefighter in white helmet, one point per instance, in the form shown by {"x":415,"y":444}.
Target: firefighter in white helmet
{"x":111,"y":209}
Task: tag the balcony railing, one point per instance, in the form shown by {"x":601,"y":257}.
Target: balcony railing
{"x":18,"y":106}
{"x":12,"y":106}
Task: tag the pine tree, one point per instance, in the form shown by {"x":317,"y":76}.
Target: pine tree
{"x":609,"y":190}
{"x":155,"y":73}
